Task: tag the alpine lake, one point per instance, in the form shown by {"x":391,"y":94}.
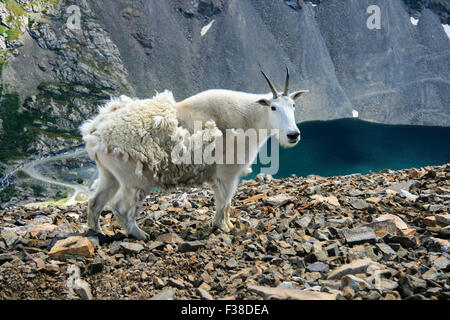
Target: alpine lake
{"x":349,"y":146}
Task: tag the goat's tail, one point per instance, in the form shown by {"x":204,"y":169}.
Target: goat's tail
{"x":92,"y":140}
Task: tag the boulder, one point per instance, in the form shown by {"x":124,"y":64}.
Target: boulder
{"x":76,"y":245}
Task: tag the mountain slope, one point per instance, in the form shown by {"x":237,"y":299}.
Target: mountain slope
{"x":54,"y":77}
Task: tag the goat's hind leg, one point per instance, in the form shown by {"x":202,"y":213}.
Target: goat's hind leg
{"x":125,"y":206}
{"x":223,"y":192}
{"x":107,"y":186}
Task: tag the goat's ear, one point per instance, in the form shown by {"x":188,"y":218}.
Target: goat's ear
{"x":264,"y":102}
{"x":297,"y":94}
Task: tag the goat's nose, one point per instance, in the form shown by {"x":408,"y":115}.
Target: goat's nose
{"x":293,"y":136}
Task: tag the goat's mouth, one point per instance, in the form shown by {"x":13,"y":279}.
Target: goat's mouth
{"x":289,"y":143}
{"x":292,"y":143}
{"x":293,"y":138}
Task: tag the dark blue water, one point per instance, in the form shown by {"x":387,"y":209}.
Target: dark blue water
{"x":347,"y":146}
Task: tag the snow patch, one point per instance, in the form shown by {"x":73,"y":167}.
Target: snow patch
{"x":446,"y":29}
{"x":206,"y":28}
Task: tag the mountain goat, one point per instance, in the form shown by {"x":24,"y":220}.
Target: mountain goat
{"x":132,"y":142}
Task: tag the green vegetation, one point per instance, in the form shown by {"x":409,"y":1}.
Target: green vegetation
{"x":19,"y":130}
{"x":66,"y":91}
{"x":7,"y":193}
{"x":79,"y":180}
{"x":15,"y":138}
{"x":22,"y":175}
{"x":97,"y":65}
{"x":2,"y":65}
{"x":14,"y":7}
{"x":3,"y":29}
{"x":49,"y":203}
{"x":16,"y":11}
{"x":53,"y":2}
{"x":38,"y":190}
{"x":13,"y":34}
{"x":31,"y":22}
{"x":59,"y":195}
{"x":54,"y":133}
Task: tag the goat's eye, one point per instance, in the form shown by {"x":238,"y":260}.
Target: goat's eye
{"x":273,"y":108}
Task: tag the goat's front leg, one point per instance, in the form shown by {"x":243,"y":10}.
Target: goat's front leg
{"x":223,"y":193}
{"x":227,"y":216}
{"x":125,"y":205}
{"x":107,"y":186}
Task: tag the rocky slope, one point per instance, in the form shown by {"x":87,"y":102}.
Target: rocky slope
{"x":378,"y":236}
{"x":53,"y":76}
{"x":440,"y":7}
{"x":399,"y":73}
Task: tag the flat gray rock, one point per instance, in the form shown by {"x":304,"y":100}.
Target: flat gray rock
{"x":318,"y":267}
{"x":166,"y":294}
{"x":290,"y":294}
{"x":359,"y":204}
{"x":359,"y":235}
{"x":190,"y":246}
{"x":355,"y":267}
{"x":131,"y":247}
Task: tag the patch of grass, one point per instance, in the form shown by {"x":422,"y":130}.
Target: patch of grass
{"x":3,"y":29}
{"x":67,"y":92}
{"x":7,"y":193}
{"x":2,"y":65}
{"x":19,"y":132}
{"x":38,"y":190}
{"x":13,"y":34}
{"x":60,"y":195}
{"x":60,"y":202}
{"x":31,"y":22}
{"x":53,"y":2}
{"x":14,"y":139}
{"x":15,"y":8}
{"x":97,"y":65}
{"x":55,"y":133}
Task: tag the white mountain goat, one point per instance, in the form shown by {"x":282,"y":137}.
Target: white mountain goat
{"x":132,"y":142}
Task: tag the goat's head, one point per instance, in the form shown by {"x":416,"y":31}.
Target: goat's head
{"x":280,"y":113}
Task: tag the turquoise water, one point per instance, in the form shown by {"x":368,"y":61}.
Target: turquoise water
{"x":347,"y":146}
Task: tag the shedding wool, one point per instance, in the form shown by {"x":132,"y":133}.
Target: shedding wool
{"x":147,"y":131}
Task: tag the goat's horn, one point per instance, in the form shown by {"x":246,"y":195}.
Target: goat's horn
{"x":274,"y":91}
{"x":286,"y":85}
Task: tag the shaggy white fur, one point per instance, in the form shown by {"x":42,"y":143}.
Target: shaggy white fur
{"x":134,"y":143}
{"x":147,"y":131}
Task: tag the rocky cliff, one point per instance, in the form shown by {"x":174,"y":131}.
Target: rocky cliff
{"x":53,"y":76}
{"x":397,"y":74}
